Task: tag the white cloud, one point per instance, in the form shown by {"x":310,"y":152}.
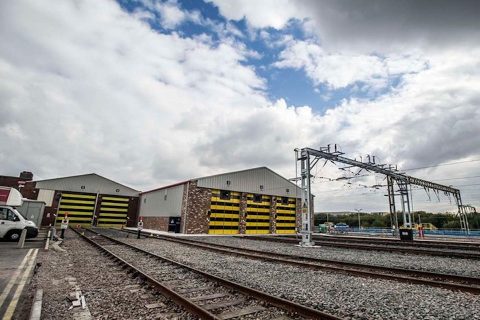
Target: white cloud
{"x":259,"y":14}
{"x":104,"y":89}
{"x":171,"y":15}
{"x":339,"y":70}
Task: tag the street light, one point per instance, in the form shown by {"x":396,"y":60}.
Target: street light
{"x":359,"y":225}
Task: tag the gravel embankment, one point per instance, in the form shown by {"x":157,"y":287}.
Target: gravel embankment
{"x":464,"y":267}
{"x":110,"y":292}
{"x":350,"y":297}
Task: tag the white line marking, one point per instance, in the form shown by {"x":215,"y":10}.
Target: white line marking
{"x":12,"y":281}
{"x":13,"y":304}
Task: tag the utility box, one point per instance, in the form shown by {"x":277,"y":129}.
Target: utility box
{"x":406,"y":234}
{"x":322,"y":228}
{"x":32,"y":210}
{"x":174,"y":224}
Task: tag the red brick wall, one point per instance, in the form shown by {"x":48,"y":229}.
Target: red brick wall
{"x":243,"y":213}
{"x":196,"y":204}
{"x":273,"y":209}
{"x":156,"y":223}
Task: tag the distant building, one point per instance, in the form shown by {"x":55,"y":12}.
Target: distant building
{"x":87,"y":199}
{"x":16,"y":182}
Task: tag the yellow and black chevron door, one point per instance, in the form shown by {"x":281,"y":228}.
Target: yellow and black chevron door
{"x":113,"y":211}
{"x":79,"y":207}
{"x":224,"y":212}
{"x":286,"y":216}
{"x":258,"y":214}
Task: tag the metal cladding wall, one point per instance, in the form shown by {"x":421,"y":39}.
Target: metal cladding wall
{"x":87,"y":183}
{"x":258,"y":180}
{"x":166,"y":202}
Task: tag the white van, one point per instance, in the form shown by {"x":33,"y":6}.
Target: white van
{"x":11,"y":221}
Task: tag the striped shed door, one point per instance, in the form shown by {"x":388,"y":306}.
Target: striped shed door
{"x":258,"y":214}
{"x":78,"y":206}
{"x":113,"y":211}
{"x":224,"y":212}
{"x":286,"y":216}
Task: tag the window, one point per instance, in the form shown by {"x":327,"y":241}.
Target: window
{"x":229,"y":182}
{"x":287,"y":190}
{"x":261,"y":187}
{"x":3,"y":213}
{"x":257,"y":198}
{"x":165,"y":197}
{"x":6,"y":214}
{"x":225,"y":195}
{"x":284,"y":200}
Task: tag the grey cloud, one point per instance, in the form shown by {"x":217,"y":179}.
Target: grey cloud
{"x":379,"y":25}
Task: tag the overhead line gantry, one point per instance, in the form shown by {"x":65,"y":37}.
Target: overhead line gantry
{"x":309,"y":157}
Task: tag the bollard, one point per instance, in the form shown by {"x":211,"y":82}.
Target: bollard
{"x":138,"y":234}
{"x":21,"y":242}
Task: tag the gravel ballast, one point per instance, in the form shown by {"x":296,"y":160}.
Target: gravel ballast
{"x":464,"y":267}
{"x":346,"y":296}
{"x":110,"y":293}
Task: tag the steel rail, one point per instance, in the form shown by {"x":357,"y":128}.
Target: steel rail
{"x":272,"y":300}
{"x":175,"y":297}
{"x":332,"y":243}
{"x":410,"y":276}
{"x":417,"y":243}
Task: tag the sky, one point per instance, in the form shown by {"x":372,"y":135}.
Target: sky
{"x":149,"y":93}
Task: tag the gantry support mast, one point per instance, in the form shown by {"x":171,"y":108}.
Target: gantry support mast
{"x":309,"y":158}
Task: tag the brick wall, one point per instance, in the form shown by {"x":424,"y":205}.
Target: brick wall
{"x":156,"y":223}
{"x":273,"y":209}
{"x":195,"y":207}
{"x":243,"y":213}
{"x":299,"y":214}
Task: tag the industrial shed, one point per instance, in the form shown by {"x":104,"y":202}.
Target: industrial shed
{"x":253,"y":201}
{"x":88,"y":199}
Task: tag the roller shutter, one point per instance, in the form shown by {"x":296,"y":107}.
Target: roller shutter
{"x":258,"y":214}
{"x":285,"y":216}
{"x":113,"y":211}
{"x":224,"y":212}
{"x":78,"y":206}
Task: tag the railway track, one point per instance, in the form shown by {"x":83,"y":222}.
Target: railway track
{"x":464,"y":246}
{"x":204,"y":295}
{"x":442,"y":280}
{"x":410,"y":249}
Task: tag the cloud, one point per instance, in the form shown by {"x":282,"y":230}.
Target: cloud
{"x":88,"y":87}
{"x":259,"y":14}
{"x":106,"y":93}
{"x":366,"y":26}
{"x":339,"y":70}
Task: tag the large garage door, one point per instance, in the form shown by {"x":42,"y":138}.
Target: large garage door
{"x":113,"y":211}
{"x":224,"y":212}
{"x":258,"y":214}
{"x":79,"y":206}
{"x":286,"y":215}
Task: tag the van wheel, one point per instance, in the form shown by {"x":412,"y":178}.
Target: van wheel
{"x":13,"y":235}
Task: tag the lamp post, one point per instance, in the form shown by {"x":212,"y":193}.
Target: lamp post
{"x":358,"y":212}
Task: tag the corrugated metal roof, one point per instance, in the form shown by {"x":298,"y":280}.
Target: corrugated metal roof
{"x":165,"y":187}
{"x":89,"y":183}
{"x":261,"y":180}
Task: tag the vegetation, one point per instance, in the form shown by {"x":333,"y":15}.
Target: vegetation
{"x":440,"y":220}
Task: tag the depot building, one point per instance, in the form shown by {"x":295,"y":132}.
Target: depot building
{"x":87,"y":199}
{"x":253,"y":201}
